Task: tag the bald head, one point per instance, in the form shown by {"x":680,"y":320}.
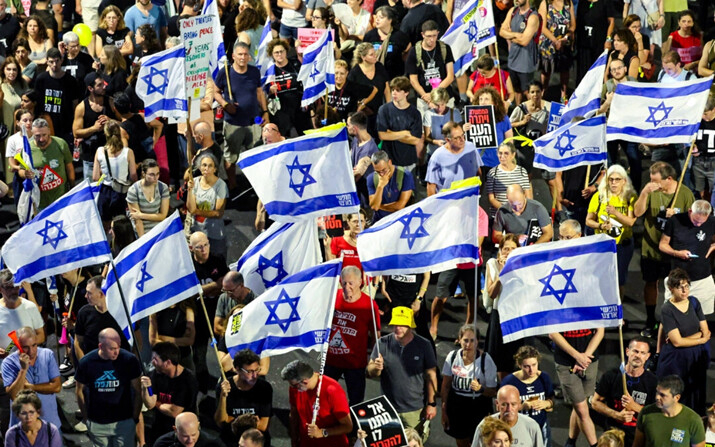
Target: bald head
{"x":199,"y":245}
{"x":233,"y":278}
{"x":109,"y":344}
{"x":187,"y":429}
{"x":109,"y":334}
{"x":516,"y":197}
{"x":202,"y":128}
{"x":509,"y":403}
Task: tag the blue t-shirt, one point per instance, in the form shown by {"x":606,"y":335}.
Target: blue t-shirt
{"x":446,"y":167}
{"x":390,"y":193}
{"x":244,"y":90}
{"x":135,"y":18}
{"x":542,"y":388}
{"x":43,"y":371}
{"x":489,"y":156}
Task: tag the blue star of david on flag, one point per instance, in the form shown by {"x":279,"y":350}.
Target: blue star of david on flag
{"x":59,"y":235}
{"x":655,"y":110}
{"x":568,"y":286}
{"x":569,"y":142}
{"x":307,"y":178}
{"x":472,"y":30}
{"x":275,"y":262}
{"x":314,"y":73}
{"x":419,"y":232}
{"x":145,"y":277}
{"x":163,"y":82}
{"x":283,"y":299}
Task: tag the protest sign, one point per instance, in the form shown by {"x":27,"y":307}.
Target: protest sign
{"x":380,"y":420}
{"x":483,"y":131}
{"x":555,"y":112}
{"x":197,"y":34}
{"x":308,"y":36}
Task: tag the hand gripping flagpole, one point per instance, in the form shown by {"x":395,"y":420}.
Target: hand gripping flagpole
{"x":211,"y":333}
{"x":682,"y":174}
{"x":372,"y":302}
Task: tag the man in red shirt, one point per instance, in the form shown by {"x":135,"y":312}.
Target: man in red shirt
{"x":333,"y":422}
{"x":351,"y":334}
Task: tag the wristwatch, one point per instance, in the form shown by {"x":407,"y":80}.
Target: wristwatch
{"x":325,"y":432}
{"x":432,"y":404}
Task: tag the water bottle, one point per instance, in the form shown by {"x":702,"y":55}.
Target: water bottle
{"x":75,"y":153}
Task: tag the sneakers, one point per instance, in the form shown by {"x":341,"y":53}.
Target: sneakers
{"x":80,"y":427}
{"x":651,"y":331}
{"x":69,"y":383}
{"x":66,"y":366}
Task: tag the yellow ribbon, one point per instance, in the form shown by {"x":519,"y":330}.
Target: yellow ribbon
{"x":471,"y":181}
{"x":527,"y":141}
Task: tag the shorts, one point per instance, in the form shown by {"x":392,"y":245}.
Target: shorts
{"x":287,"y":32}
{"x":703,"y":172}
{"x":111,"y":203}
{"x":236,"y":140}
{"x":520,"y":81}
{"x":90,"y":13}
{"x":449,"y":279}
{"x":576,"y":388}
{"x":703,"y":290}
{"x":653,"y":269}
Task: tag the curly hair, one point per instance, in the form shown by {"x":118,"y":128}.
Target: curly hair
{"x":120,"y":17}
{"x":277,"y":43}
{"x":41,"y":28}
{"x":248,"y":19}
{"x":496,"y":101}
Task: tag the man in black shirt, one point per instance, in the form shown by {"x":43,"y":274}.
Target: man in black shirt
{"x":399,"y":125}
{"x":430,"y":65}
{"x":187,"y":433}
{"x":420,"y":12}
{"x":704,"y":152}
{"x":59,"y":93}
{"x":9,"y":29}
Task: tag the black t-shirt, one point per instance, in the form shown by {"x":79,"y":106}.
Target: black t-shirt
{"x":172,"y":323}
{"x":90,"y":323}
{"x":345,"y":100}
{"x":686,"y":236}
{"x":399,"y":42}
{"x":432,"y":66}
{"x":389,"y":117}
{"x":705,"y":139}
{"x":419,"y":14}
{"x":258,"y":400}
{"x":9,"y":29}
{"x":379,"y":80}
{"x":115,"y":82}
{"x":138,"y":132}
{"x":169,"y":440}
{"x":641,"y":388}
{"x":181,"y":391}
{"x":579,"y":340}
{"x":290,"y":90}
{"x":574,"y":180}
{"x":399,"y":10}
{"x":592,"y":23}
{"x":65,"y":291}
{"x":687,"y":323}
{"x":57,"y":100}
{"x":212,"y":270}
{"x":108,"y":386}
{"x":79,"y":67}
{"x":116,"y":38}
{"x":403,"y":289}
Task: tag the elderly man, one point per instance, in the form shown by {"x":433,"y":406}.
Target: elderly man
{"x":35,"y":369}
{"x":75,"y":62}
{"x":689,"y":239}
{"x":524,"y":217}
{"x":403,"y":363}
{"x":390,"y":188}
{"x":456,"y":160}
{"x":233,"y":293}
{"x":523,"y":428}
{"x":333,"y":422}
{"x":52,"y":158}
{"x":109,"y":392}
{"x":569,"y":229}
{"x":187,"y":433}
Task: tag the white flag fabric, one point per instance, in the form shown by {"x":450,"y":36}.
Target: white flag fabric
{"x":658,"y":113}
{"x":575,"y":144}
{"x":66,"y":235}
{"x":297,"y":314}
{"x":161,"y":84}
{"x":311,"y":176}
{"x":318,"y":70}
{"x":434,"y":235}
{"x":30,"y":196}
{"x":560,"y":286}
{"x":154,"y":272}
{"x":218,"y":51}
{"x":264,"y":61}
{"x":471,"y":30}
{"x":281,"y":250}
{"x":587,"y":96}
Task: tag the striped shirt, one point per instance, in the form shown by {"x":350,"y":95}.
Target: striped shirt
{"x":498,"y":180}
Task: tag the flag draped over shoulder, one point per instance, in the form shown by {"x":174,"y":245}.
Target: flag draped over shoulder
{"x":560,"y":286}
{"x":587,"y":96}
{"x":30,"y":196}
{"x":434,"y":235}
{"x":296,"y":314}
{"x":282,"y":250}
{"x":658,"y":113}
{"x":154,"y":272}
{"x":66,"y":235}
{"x":318,"y":70}
{"x":218,"y":50}
{"x":161,"y":84}
{"x":311,"y":176}
{"x":575,"y":144}
{"x":472,"y":29}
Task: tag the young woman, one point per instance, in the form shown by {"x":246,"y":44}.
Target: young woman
{"x":113,"y":69}
{"x":21,"y":50}
{"x":556,"y":40}
{"x":23,"y":120}
{"x":488,"y":96}
{"x":370,"y":73}
{"x":113,"y":31}
{"x":487,"y":74}
{"x":148,"y":199}
{"x":506,"y":173}
{"x":207,"y":202}
{"x":625,"y":48}
{"x":687,"y":41}
{"x":12,"y":85}
{"x":392,"y":44}
{"x":35,"y":31}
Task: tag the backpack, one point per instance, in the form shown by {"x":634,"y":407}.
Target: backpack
{"x":418,"y":52}
{"x":537,"y":34}
{"x":482,"y":355}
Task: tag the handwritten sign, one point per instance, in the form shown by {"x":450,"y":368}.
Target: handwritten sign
{"x":380,"y":420}
{"x":309,"y":36}
{"x":555,"y":112}
{"x":197,"y":33}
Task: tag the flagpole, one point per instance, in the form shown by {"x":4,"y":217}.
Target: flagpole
{"x":501,"y":85}
{"x":228,"y":80}
{"x":211,"y":333}
{"x":588,"y":177}
{"x":69,"y":309}
{"x":326,"y":108}
{"x":189,"y":133}
{"x":623,"y":359}
{"x":476,"y":268}
{"x":685,"y":168}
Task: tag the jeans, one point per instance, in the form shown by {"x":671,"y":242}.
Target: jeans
{"x":116,"y":434}
{"x":87,"y":169}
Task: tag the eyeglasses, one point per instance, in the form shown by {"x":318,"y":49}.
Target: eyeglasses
{"x":685,"y":286}
{"x":457,"y":138}
{"x":567,"y":237}
{"x":278,"y":52}
{"x":224,"y":290}
{"x":201,"y":247}
{"x":615,"y":179}
{"x":251,"y":372}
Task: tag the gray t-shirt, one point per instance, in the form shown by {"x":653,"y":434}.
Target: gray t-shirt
{"x":226,"y":303}
{"x":136,"y":195}
{"x":530,"y":222}
{"x":522,"y":59}
{"x":526,"y":433}
{"x":403,"y":378}
{"x":206,"y":200}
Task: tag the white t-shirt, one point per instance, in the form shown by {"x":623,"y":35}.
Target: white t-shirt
{"x":462,"y":375}
{"x":26,"y":314}
{"x":14,"y":145}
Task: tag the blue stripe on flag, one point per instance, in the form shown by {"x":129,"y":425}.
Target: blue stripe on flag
{"x":663,"y":132}
{"x":309,"y":58}
{"x":276,"y":342}
{"x":518,"y":261}
{"x":319,"y":271}
{"x":82,"y":195}
{"x":559,"y":163}
{"x":663,"y":92}
{"x":178,"y":53}
{"x":165,"y":293}
{"x":492,"y":35}
{"x":166,"y":105}
{"x":64,"y":257}
{"x":343,"y":200}
{"x":463,"y":61}
{"x":422,"y":259}
{"x":294,"y":146}
{"x":253,"y":251}
{"x":557,"y":316}
{"x":567,"y":116}
{"x":319,"y":88}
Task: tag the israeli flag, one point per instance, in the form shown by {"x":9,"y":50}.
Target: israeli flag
{"x":471,"y":30}
{"x":434,"y":235}
{"x":161,"y":84}
{"x":30,"y":196}
{"x":587,"y":96}
{"x":280,"y":251}
{"x":264,"y":61}
{"x":297,"y":314}
{"x":575,"y":144}
{"x":154,"y":272}
{"x":311,"y":176}
{"x":318,"y":70}
{"x":218,"y":50}
{"x":658,"y":113}
{"x":66,"y":235}
{"x":560,"y":286}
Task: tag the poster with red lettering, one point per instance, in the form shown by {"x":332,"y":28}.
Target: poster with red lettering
{"x":483,"y":132}
{"x":379,"y":419}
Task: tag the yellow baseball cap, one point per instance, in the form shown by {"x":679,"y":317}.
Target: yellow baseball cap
{"x":402,"y":316}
